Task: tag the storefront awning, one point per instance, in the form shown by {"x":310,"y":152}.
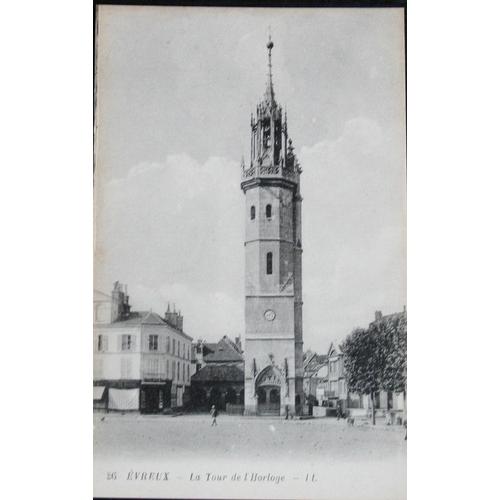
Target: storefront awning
{"x":123,"y":399}
{"x":99,"y":391}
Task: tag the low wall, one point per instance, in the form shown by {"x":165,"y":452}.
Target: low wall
{"x":232,"y":409}
{"x":324,"y":411}
{"x":395,"y":417}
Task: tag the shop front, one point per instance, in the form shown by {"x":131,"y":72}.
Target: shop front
{"x":155,"y":397}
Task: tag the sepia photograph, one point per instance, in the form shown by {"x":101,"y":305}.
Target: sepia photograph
{"x":249,"y":308}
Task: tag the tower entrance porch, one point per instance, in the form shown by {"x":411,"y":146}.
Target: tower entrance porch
{"x":268,"y":387}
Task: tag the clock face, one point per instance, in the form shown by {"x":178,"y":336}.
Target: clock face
{"x":270,"y":315}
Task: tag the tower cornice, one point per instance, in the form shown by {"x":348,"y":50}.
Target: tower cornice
{"x":269,"y":181}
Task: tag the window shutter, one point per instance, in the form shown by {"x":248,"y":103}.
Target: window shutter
{"x":132,"y":342}
{"x":97,"y":368}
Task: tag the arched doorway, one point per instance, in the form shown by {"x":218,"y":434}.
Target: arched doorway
{"x":215,"y":398}
{"x":261,"y":396}
{"x":268,"y":386}
{"x":231,"y":396}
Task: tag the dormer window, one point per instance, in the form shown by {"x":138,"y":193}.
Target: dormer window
{"x":252,"y":212}
{"x":269,"y":211}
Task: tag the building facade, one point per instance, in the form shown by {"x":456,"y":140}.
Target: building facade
{"x":142,"y":361}
{"x":315,"y":377}
{"x":336,"y":390}
{"x":273,"y":264}
{"x":219,"y":376}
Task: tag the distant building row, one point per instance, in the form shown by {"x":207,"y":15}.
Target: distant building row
{"x":325,"y":383}
{"x":146,"y":362}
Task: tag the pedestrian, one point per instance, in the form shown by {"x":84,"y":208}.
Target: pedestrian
{"x":214,"y":414}
{"x":339,"y":409}
{"x":287,"y":410}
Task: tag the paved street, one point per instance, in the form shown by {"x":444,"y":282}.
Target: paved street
{"x":188,"y":435}
{"x":347,"y":462}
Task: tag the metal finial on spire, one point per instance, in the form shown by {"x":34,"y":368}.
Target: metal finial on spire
{"x":269,"y":88}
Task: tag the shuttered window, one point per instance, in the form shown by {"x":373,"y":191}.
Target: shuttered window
{"x":153,"y":342}
{"x":102,"y":343}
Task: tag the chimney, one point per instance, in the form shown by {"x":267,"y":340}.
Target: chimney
{"x":378,"y":315}
{"x":174,"y":319}
{"x":119,"y":302}
{"x":237,"y":341}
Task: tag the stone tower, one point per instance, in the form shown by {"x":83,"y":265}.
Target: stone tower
{"x":273,"y":264}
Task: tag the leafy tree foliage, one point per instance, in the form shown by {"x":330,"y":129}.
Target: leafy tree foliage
{"x":375,"y":358}
{"x":393,"y":338}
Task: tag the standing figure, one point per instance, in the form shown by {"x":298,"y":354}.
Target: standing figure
{"x":339,"y":409}
{"x":214,"y":413}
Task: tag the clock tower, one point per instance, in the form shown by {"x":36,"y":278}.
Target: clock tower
{"x":273,"y":264}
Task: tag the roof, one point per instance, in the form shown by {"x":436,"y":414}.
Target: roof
{"x":315,"y":362}
{"x":223,"y":352}
{"x":210,"y":346}
{"x":388,"y":317}
{"x":308,"y":356}
{"x":100,"y":296}
{"x":220,"y":373}
{"x":138,"y":318}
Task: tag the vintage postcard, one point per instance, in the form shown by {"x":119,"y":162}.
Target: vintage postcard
{"x":250,"y":253}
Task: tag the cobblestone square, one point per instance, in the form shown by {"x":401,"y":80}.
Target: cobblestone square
{"x":347,"y":461}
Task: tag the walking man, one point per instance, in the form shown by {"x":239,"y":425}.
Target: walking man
{"x":214,"y":414}
{"x":339,"y":409}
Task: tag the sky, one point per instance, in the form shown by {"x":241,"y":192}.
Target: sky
{"x":175,"y":89}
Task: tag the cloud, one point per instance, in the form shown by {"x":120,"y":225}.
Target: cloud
{"x":353,"y":230}
{"x":173,"y":231}
{"x":207,"y":314}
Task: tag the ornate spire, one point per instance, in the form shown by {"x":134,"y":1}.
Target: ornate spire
{"x":269,"y":95}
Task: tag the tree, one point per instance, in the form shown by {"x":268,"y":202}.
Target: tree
{"x":362,"y":364}
{"x":394,"y":345}
{"x":375,"y":358}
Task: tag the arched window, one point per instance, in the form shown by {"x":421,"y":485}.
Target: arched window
{"x":269,"y":211}
{"x":269,"y":262}
{"x":252,"y":212}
